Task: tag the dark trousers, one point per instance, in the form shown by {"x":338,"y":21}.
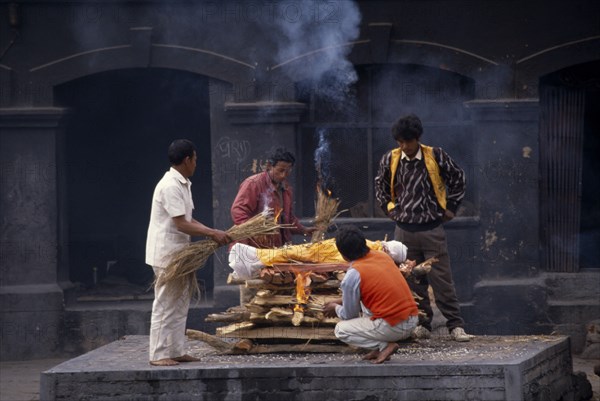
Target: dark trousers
{"x":423,"y":245}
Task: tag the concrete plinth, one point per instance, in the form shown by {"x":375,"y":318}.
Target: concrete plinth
{"x":487,"y":368}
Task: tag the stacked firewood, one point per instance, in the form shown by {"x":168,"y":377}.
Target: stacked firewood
{"x":288,"y":303}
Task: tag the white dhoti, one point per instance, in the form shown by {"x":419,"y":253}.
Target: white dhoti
{"x":363,"y":332}
{"x":167,"y":325}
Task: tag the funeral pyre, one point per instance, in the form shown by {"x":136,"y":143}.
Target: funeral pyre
{"x":290,"y":292}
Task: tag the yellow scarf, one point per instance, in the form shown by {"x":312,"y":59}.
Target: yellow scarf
{"x":433,"y":169}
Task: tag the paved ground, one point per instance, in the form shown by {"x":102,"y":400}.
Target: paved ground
{"x":20,"y":380}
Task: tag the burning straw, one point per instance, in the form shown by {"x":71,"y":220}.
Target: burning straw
{"x":326,"y":210}
{"x":180,"y":272}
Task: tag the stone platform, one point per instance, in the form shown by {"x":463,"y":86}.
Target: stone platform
{"x":488,"y":368}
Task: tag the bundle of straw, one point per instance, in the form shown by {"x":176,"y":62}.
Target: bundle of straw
{"x":180,"y":272}
{"x":325,"y":212}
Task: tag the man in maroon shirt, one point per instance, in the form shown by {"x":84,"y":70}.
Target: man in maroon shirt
{"x":270,"y":189}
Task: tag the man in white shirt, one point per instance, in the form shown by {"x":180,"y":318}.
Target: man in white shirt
{"x":171,"y":226}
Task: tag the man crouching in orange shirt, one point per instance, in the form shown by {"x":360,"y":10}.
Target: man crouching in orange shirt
{"x":389,"y":312}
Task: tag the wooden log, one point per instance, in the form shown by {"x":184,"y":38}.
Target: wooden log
{"x":334,"y":283}
{"x":276,"y":277}
{"x":316,"y":300}
{"x":247,"y":346}
{"x":257,"y":317}
{"x":211,"y":340}
{"x":273,"y":300}
{"x":312,"y":267}
{"x":232,"y":328}
{"x":280,"y":332}
{"x":228,"y":317}
{"x":297,"y":317}
{"x":318,"y":278}
{"x":244,"y":345}
{"x":318,"y":281}
{"x":279,"y":312}
{"x":256,"y":308}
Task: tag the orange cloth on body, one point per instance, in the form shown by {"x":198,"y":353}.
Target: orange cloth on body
{"x":317,"y":252}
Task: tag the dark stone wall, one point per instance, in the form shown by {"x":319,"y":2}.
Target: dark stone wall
{"x":248,"y":56}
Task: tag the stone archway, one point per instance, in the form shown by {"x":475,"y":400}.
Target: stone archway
{"x":141,"y":52}
{"x":114,"y":150}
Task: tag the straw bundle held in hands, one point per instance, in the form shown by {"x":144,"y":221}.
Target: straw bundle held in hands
{"x":325,"y":212}
{"x":180,"y":272}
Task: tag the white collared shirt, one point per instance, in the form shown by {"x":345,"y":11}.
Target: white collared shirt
{"x":418,"y":156}
{"x":172,"y":198}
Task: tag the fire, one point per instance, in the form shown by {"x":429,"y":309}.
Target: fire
{"x":277,"y":215}
{"x":302,"y":290}
{"x":323,"y":191}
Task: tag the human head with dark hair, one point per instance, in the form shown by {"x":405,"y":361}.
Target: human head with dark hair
{"x":182,"y":156}
{"x":407,"y":132}
{"x":281,"y":155}
{"x":179,"y":149}
{"x":351,"y":243}
{"x":279,"y":165}
{"x":407,"y":128}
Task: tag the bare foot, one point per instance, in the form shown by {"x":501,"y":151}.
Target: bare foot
{"x":371,"y":355}
{"x":186,"y":358}
{"x":387,"y":352}
{"x":164,"y":362}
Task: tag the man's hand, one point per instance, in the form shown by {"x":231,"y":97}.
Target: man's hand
{"x":407,"y":267}
{"x":220,"y":237}
{"x":394,"y":214}
{"x":448,"y":215}
{"x":329,"y":308}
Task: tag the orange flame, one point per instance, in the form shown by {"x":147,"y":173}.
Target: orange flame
{"x":277,"y":215}
{"x":322,"y":190}
{"x":302,"y":291}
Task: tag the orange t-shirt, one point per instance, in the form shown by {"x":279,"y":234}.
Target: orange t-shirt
{"x":383,"y":289}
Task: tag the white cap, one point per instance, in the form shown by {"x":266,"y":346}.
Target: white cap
{"x":396,"y":249}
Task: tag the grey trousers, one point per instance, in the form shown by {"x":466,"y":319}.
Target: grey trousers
{"x":423,"y":245}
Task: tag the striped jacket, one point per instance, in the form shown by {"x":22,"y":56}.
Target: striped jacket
{"x":413,"y":198}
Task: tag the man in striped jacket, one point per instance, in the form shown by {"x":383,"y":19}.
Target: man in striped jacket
{"x":419,"y":188}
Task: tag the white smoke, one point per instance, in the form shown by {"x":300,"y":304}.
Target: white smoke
{"x":315,"y":40}
{"x":322,"y":160}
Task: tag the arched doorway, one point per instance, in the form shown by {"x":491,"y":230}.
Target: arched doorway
{"x":121,"y":124}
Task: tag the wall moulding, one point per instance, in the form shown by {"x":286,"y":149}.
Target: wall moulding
{"x":264,"y":112}
{"x":32,"y":116}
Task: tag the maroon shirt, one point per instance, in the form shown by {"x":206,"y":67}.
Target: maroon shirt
{"x":257,"y":192}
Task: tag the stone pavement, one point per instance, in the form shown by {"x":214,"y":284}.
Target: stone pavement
{"x":20,"y":380}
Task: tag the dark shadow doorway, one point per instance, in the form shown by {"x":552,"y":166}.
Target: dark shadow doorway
{"x":115,"y":151}
{"x":569,"y":165}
